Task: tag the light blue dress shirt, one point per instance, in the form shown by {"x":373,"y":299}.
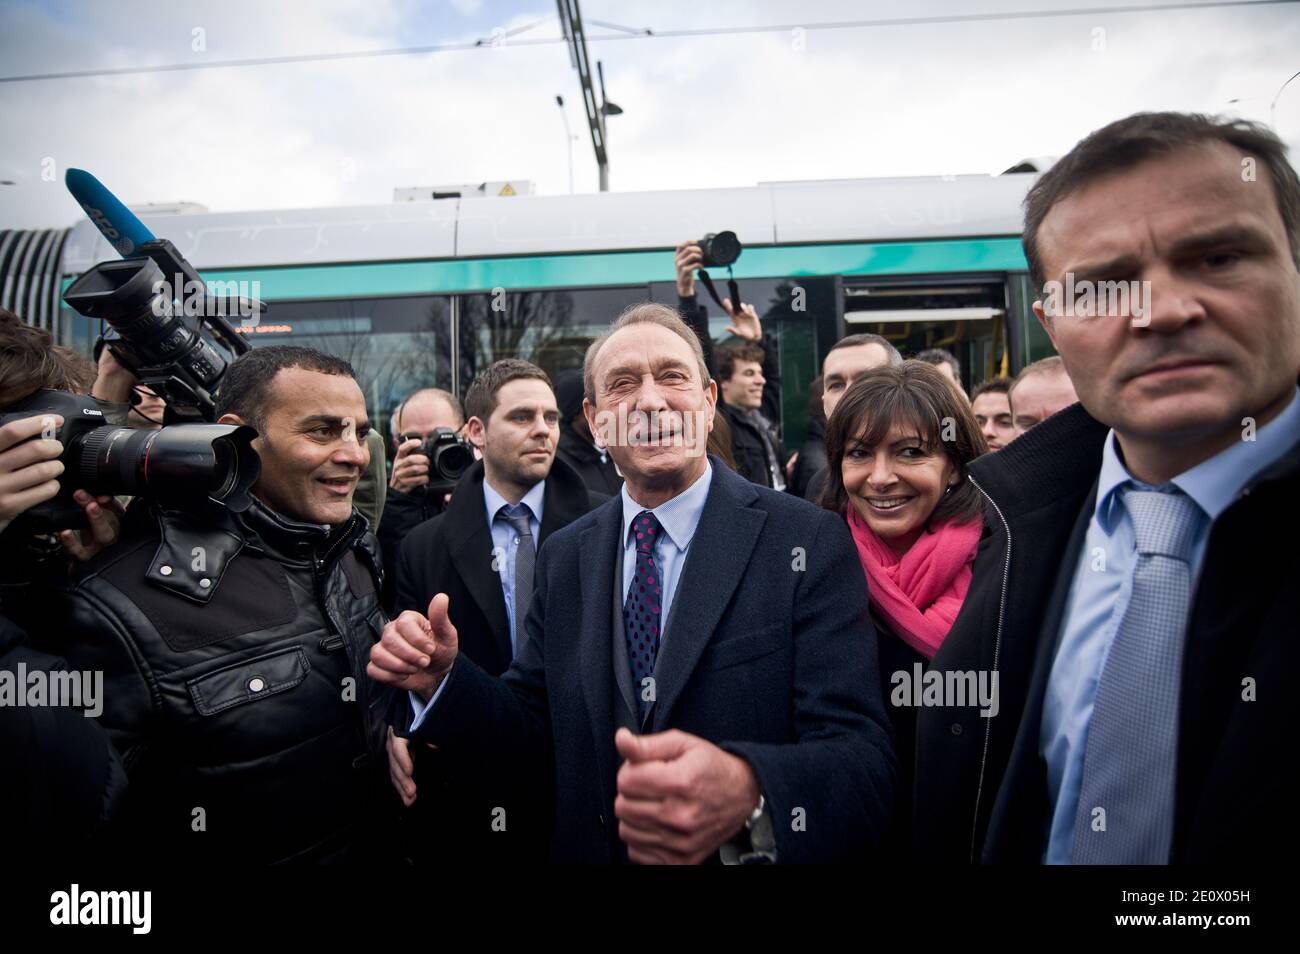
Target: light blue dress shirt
{"x":1099,"y":595}
{"x":679,"y":518}
{"x":504,"y":542}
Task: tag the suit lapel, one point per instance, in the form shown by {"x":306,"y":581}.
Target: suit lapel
{"x":598,"y":543}
{"x":470,"y":545}
{"x":715,"y":565}
{"x":1024,"y":766}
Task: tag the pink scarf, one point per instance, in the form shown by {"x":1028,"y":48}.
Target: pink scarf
{"x":918,"y":596}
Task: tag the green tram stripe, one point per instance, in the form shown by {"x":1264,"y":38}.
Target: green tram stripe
{"x":371,"y":280}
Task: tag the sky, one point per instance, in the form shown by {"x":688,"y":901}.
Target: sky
{"x":799,"y":102}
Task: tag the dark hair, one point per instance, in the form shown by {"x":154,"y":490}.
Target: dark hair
{"x":30,"y":361}
{"x":992,"y":386}
{"x":246,"y":384}
{"x":894,"y":357}
{"x":646,"y":313}
{"x":914,"y":394}
{"x":1130,"y":141}
{"x":937,"y":356}
{"x":481,"y":399}
{"x":729,"y":354}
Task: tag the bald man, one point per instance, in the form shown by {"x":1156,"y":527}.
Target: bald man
{"x":408,"y":505}
{"x":1039,"y":391}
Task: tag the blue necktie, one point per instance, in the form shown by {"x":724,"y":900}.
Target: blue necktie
{"x":1126,"y":796}
{"x":641,"y":609}
{"x":518,"y":516}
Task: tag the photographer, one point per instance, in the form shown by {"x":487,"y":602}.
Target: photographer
{"x":410,"y":502}
{"x":748,"y":376}
{"x":233,"y":645}
{"x":30,"y":468}
{"x":63,"y":777}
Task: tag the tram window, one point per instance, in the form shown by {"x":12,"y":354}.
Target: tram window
{"x":395,"y":345}
{"x":552,"y":329}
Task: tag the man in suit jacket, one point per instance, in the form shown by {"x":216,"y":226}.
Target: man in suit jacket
{"x":1143,"y":631}
{"x":472,"y":553}
{"x":758,"y":729}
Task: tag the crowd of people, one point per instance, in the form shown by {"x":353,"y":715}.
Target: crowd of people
{"x":1040,"y":623}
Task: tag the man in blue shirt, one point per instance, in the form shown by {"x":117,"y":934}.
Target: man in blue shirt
{"x":1131,"y":590}
{"x":698,"y":669}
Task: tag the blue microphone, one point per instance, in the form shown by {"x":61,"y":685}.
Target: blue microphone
{"x":124,"y":231}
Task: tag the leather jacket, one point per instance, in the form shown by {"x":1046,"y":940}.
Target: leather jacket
{"x":234,"y":650}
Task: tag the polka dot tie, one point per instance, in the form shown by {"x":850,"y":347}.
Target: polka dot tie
{"x":641,"y":610}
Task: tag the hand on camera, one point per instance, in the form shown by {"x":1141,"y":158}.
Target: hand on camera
{"x":29,"y":466}
{"x":29,"y":472}
{"x":410,"y":469}
{"x":689,"y":257}
{"x":113,"y":381}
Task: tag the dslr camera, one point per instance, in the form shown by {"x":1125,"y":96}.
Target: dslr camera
{"x":178,"y":466}
{"x":719,"y":249}
{"x":449,"y":457}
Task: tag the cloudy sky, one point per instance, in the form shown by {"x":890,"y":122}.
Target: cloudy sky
{"x":801,"y":101}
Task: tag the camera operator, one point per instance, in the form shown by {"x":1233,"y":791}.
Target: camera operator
{"x":749,"y":386}
{"x":30,"y":468}
{"x":410,"y":502}
{"x":234,"y":645}
{"x":126,"y":400}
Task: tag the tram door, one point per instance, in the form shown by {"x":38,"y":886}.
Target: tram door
{"x":964,"y":314}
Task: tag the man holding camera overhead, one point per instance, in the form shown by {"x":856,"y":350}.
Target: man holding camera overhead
{"x":481,"y":552}
{"x":233,"y":645}
{"x":748,"y":374}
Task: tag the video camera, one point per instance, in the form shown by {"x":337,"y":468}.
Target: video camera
{"x":147,"y":299}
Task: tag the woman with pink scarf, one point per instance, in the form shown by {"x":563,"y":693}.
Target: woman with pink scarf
{"x":897,"y":445}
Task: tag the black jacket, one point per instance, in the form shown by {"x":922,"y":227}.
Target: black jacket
{"x":812,"y":459}
{"x":403,"y":512}
{"x":63,"y":780}
{"x":597,"y":472}
{"x":774,"y":666}
{"x":241,"y":708}
{"x":452,"y":554}
{"x":747,"y":446}
{"x":981,"y":793}
{"x":450,"y":822}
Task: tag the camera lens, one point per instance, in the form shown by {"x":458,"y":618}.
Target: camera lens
{"x":453,"y":460}
{"x":178,"y":465}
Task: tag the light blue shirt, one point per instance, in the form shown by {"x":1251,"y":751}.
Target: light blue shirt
{"x":504,"y":542}
{"x":1099,"y":595}
{"x":679,"y":518}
